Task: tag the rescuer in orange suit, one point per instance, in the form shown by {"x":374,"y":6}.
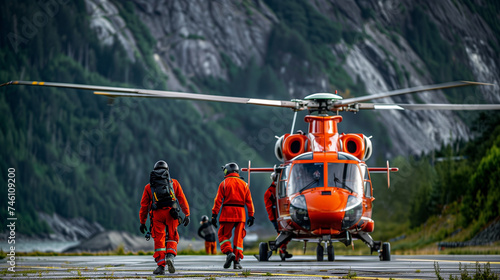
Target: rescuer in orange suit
{"x":207,"y":232}
{"x":161,"y":199}
{"x":272,"y":212}
{"x":232,"y":196}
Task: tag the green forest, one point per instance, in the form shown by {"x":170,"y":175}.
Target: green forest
{"x":460,"y":180}
{"x":76,"y":156}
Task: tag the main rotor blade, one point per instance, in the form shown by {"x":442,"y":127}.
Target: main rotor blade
{"x":450,"y":106}
{"x":72,"y":86}
{"x":131,"y":92}
{"x":347,"y":101}
{"x":379,"y":106}
{"x":384,"y":106}
{"x":202,"y":97}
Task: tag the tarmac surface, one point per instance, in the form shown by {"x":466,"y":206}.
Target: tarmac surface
{"x":210,"y":267}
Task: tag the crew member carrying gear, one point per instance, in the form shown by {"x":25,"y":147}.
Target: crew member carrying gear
{"x":232,"y":196}
{"x":207,"y":232}
{"x":272,"y":212}
{"x":161,"y":199}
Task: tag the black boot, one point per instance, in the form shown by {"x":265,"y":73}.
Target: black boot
{"x":170,"y":262}
{"x":230,"y":257}
{"x":237,"y":265}
{"x":160,"y":270}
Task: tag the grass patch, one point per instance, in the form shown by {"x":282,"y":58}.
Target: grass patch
{"x":118,"y":251}
{"x":483,"y":274}
{"x":190,"y":251}
{"x":350,"y":275}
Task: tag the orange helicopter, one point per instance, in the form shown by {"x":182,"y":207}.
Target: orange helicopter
{"x":324,"y":191}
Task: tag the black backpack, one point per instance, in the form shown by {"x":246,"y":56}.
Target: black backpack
{"x":161,"y":189}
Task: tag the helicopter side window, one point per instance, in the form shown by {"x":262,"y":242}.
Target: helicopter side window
{"x":366,"y":180}
{"x":305,"y":176}
{"x":282,"y":188}
{"x":282,"y":182}
{"x":346,"y":176}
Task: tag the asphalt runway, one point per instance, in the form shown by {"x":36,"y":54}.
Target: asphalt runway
{"x":210,"y":267}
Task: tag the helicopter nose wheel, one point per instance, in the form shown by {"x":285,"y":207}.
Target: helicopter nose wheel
{"x":330,"y":252}
{"x":319,"y":252}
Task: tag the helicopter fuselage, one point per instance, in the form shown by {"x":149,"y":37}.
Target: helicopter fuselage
{"x":324,"y":194}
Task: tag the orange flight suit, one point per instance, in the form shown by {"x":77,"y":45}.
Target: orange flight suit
{"x":233,"y":194}
{"x":270,"y":201}
{"x":211,"y":248}
{"x":161,"y":218}
{"x":271,"y":208}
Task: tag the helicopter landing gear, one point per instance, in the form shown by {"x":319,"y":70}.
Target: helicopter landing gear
{"x":266,"y":250}
{"x":264,"y":253}
{"x":385,"y":253}
{"x":383,"y":249}
{"x":319,"y":252}
{"x":330,"y":252}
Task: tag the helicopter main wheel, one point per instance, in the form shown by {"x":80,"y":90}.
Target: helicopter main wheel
{"x":319,"y":252}
{"x":330,"y":252}
{"x":263,"y":252}
{"x":385,"y":253}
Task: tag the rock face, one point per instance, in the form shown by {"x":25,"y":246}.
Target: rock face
{"x":410,"y":131}
{"x":195,"y":36}
{"x":73,"y":229}
{"x":113,"y":240}
{"x":110,"y":26}
{"x":417,"y":131}
{"x":192,"y":36}
{"x":110,"y":241}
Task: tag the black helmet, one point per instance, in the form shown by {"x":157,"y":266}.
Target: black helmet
{"x":161,"y":164}
{"x":230,"y":168}
{"x":204,"y":218}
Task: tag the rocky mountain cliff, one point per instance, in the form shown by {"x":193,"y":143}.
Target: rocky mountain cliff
{"x":195,"y":37}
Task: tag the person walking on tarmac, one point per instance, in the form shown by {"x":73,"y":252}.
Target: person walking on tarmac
{"x":162,"y":198}
{"x":272,"y":212}
{"x":207,"y":232}
{"x":232,"y":196}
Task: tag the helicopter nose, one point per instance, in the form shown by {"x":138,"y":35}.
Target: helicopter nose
{"x":326,"y":209}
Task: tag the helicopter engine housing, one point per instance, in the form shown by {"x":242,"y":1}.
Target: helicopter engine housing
{"x":289,"y":146}
{"x":278,"y":148}
{"x":368,"y":147}
{"x":358,"y":145}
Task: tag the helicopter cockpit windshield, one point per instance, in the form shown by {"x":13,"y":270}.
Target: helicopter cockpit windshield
{"x":346,"y":176}
{"x":306,"y":176}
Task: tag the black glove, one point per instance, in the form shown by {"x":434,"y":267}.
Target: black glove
{"x":250,"y":221}
{"x":275,"y":224}
{"x":186,"y":221}
{"x":143,"y":228}
{"x":214,"y":220}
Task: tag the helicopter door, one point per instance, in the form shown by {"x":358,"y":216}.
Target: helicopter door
{"x":283,"y":199}
{"x":367,"y":187}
